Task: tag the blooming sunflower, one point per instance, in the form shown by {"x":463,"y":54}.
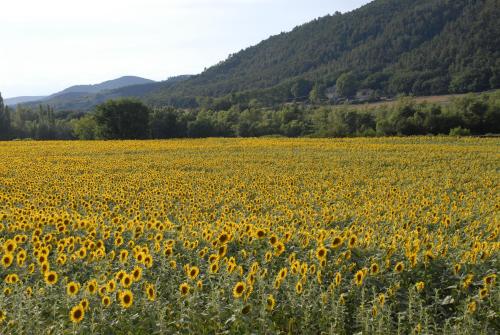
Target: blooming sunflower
{"x":7,"y":260}
{"x":72,"y":288}
{"x":76,"y":314}
{"x":399,"y":267}
{"x":126,"y":298}
{"x":51,"y":277}
{"x":193,"y":272}
{"x":374,"y":268}
{"x":239,"y":289}
{"x":184,"y":289}
{"x":150,"y":292}
{"x":270,"y":302}
{"x":358,"y":278}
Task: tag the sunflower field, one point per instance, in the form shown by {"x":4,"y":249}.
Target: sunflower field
{"x":250,"y":236}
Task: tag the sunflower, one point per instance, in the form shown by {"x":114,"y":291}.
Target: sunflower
{"x":321,"y":253}
{"x":14,"y":278}
{"x":352,"y":241}
{"x":381,"y":299}
{"x":92,"y":286}
{"x":51,"y":277}
{"x":103,"y":290}
{"x":358,"y":278}
{"x":167,"y":252}
{"x":214,"y":267}
{"x":136,"y":274}
{"x":298,"y":287}
{"x":246,"y":309}
{"x":123,"y":255}
{"x":126,"y":281}
{"x":106,"y":301}
{"x":45,"y":267}
{"x":239,"y":289}
{"x":420,"y":286}
{"x":483,"y":293}
{"x":3,"y":316}
{"x":338,"y":278}
{"x":471,"y":307}
{"x":270,"y":302}
{"x":148,"y":261}
{"x":150,"y":292}
{"x":467,"y":281}
{"x":337,"y":242}
{"x":223,"y":238}
{"x":7,"y":260}
{"x":184,"y":289}
{"x":222,"y":250}
{"x":126,"y":298}
{"x":282,"y":274}
{"x":490,"y":279}
{"x":268,"y":256}
{"x":374,"y":268}
{"x":111,"y":285}
{"x":72,"y":288}
{"x":193,"y":272}
{"x":76,"y":314}
{"x":10,"y":246}
{"x":84,"y":303}
{"x":399,"y":267}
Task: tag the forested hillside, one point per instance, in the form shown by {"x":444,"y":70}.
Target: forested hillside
{"x":389,"y":46}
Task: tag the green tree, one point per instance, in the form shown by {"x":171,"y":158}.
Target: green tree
{"x":347,"y":85}
{"x":4,"y":121}
{"x":85,"y":128}
{"x":122,"y":119}
{"x":300,"y":90}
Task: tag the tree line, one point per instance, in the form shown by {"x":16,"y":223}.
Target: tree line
{"x":474,"y":114}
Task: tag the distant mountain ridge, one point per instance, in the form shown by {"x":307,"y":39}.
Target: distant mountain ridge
{"x":78,"y":91}
{"x":19,"y":100}
{"x":107,"y":85}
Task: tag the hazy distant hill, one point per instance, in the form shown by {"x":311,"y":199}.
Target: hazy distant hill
{"x":20,"y":100}
{"x":80,"y":93}
{"x":107,"y":85}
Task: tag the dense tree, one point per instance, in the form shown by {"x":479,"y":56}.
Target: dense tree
{"x":347,"y":85}
{"x":85,"y":128}
{"x":474,"y":113}
{"x":5,"y":131}
{"x":300,"y":90}
{"x":122,"y":119}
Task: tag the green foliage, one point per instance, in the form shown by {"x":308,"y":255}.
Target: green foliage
{"x":300,"y":90}
{"x":459,"y":131}
{"x":125,"y":119}
{"x":122,"y":119}
{"x":347,"y":85}
{"x":85,"y":128}
{"x":4,"y":121}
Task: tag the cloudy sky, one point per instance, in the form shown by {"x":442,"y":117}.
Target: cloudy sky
{"x":52,"y":44}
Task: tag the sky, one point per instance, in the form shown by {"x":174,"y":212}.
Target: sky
{"x":49,"y":45}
